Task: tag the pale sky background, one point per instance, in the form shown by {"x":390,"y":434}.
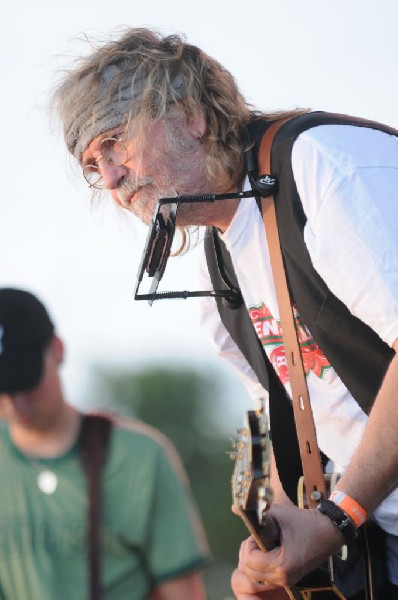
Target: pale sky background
{"x":340,"y":55}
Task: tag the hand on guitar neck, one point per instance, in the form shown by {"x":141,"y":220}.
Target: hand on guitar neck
{"x":287,"y":553}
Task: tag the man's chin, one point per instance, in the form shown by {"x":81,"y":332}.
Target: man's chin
{"x":144,"y":211}
{"x":144,"y":207}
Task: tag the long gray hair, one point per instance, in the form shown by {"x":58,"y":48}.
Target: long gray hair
{"x":137,"y":79}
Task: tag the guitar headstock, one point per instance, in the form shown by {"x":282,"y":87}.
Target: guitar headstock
{"x":251,"y":492}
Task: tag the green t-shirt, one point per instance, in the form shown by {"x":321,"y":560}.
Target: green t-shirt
{"x":150,"y":531}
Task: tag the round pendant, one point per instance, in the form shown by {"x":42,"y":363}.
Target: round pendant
{"x":47,"y":482}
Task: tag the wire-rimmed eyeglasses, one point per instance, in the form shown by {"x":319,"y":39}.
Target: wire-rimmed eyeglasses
{"x":111,"y":149}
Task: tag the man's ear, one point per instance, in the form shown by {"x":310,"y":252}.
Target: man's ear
{"x":5,"y":405}
{"x":197,"y":125}
{"x":58,"y":348}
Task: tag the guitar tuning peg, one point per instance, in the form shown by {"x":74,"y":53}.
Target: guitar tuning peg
{"x":232,"y":455}
{"x":242,"y":431}
{"x":265,"y":494}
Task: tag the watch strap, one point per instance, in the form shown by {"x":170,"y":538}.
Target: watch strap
{"x":340,"y":519}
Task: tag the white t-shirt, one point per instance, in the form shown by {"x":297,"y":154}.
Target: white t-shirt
{"x":347,"y":179}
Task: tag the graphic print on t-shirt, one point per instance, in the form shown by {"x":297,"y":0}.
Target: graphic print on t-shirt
{"x":269,"y":331}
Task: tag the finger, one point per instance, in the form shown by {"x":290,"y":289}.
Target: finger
{"x":246,"y":547}
{"x":258,"y":569}
{"x":260,"y":566}
{"x":242,"y":554}
{"x":244,"y":588}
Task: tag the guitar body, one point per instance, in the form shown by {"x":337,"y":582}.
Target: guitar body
{"x":252,"y":496}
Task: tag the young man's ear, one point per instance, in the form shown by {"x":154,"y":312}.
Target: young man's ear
{"x":5,"y":405}
{"x":58,"y":349}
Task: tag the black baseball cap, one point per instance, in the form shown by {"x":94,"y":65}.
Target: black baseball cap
{"x":25,"y":330}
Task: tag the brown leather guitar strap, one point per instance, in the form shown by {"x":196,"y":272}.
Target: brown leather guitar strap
{"x":309,"y":451}
{"x":306,"y":434}
{"x":93,"y":450}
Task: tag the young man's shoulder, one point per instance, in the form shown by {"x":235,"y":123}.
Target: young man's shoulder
{"x":135,"y":427}
{"x":133,"y":433}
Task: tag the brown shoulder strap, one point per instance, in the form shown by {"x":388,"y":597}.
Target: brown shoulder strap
{"x":93,"y":450}
{"x":309,"y":451}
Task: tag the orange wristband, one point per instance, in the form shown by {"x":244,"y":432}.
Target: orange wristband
{"x":350,"y":506}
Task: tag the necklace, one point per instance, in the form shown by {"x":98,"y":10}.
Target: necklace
{"x":47,"y":480}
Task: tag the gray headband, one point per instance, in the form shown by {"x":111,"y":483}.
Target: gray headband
{"x":100,"y":116}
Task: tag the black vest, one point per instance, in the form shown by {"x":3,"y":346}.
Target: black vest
{"x":354,"y":350}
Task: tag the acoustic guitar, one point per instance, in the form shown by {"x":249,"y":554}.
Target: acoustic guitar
{"x":252,"y":497}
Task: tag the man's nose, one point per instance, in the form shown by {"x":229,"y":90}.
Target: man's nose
{"x":112,"y":174}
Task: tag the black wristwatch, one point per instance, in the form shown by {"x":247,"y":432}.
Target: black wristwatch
{"x":340,"y":519}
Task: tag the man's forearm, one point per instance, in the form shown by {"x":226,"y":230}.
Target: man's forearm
{"x":373,"y":471}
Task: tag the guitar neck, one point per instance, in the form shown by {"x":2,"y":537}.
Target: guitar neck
{"x":252,"y":495}
{"x":267,"y":535}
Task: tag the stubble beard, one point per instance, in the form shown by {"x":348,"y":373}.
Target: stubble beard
{"x":181,"y":170}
